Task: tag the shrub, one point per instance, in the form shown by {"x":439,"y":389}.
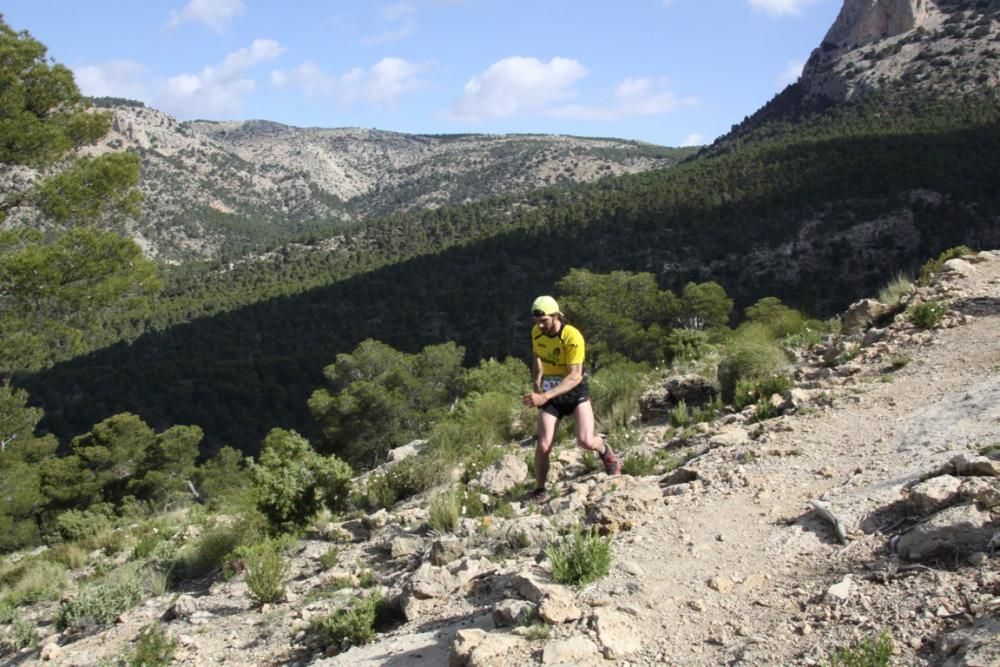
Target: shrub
{"x":101,"y":603}
{"x":868,"y":652}
{"x":638,"y":465}
{"x":266,"y":571}
{"x":354,"y":624}
{"x":22,"y":634}
{"x":445,"y":511}
{"x":926,"y":315}
{"x":329,"y":557}
{"x":293,"y":481}
{"x":679,"y":415}
{"x":581,"y":558}
{"x":752,"y":353}
{"x":407,"y":478}
{"x":685,"y":345}
{"x":932,"y":267}
{"x":616,"y":390}
{"x":70,"y":554}
{"x":41,"y":580}
{"x":759,"y":390}
{"x":894,"y":292}
{"x":209,"y":553}
{"x":778,"y":319}
{"x":153,"y":648}
{"x":74,"y":525}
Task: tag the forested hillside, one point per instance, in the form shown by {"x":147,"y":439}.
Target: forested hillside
{"x":821,"y":214}
{"x":164,"y":427}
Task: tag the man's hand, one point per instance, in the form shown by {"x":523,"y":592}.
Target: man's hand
{"x":534,"y":400}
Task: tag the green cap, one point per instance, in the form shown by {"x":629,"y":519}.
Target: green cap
{"x":546,"y":304}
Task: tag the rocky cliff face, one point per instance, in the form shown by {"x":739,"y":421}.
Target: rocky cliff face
{"x":948,"y":46}
{"x":866,"y":21}
{"x":212,"y":187}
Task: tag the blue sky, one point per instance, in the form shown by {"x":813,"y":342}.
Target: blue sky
{"x":671,"y":72}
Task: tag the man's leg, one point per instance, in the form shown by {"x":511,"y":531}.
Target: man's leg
{"x":586,"y":437}
{"x":546,"y":434}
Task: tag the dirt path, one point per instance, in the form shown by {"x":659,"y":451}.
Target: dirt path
{"x":738,"y":574}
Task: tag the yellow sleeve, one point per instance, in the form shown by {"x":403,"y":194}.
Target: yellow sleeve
{"x":574,"y":346}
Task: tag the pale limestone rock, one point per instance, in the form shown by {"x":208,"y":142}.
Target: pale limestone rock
{"x":842,"y":590}
{"x":446,"y":550}
{"x":512,"y":612}
{"x":616,"y":633}
{"x":968,"y":465}
{"x":573,"y":651}
{"x":962,"y":529}
{"x":984,"y":491}
{"x":557,"y":607}
{"x":183,"y":607}
{"x":528,"y":587}
{"x":503,"y":475}
{"x":935,"y":493}
{"x":721,"y":584}
{"x":404,"y":547}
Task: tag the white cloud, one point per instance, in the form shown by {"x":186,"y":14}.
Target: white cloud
{"x":694,"y":140}
{"x":216,"y":14}
{"x":516,"y":85}
{"x":307,"y":77}
{"x":791,"y":73}
{"x":407,"y":28}
{"x":381,"y":85}
{"x":116,"y":78}
{"x":402,"y":12}
{"x":398,"y":11}
{"x":782,"y":7}
{"x":634,"y":96}
{"x":217,"y":91}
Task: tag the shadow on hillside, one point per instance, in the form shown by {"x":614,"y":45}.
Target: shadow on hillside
{"x":978,"y":306}
{"x":241,"y":373}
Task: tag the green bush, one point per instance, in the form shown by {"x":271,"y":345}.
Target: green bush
{"x":778,"y":319}
{"x":616,"y":389}
{"x":445,"y":511}
{"x":354,"y":624}
{"x":41,"y":580}
{"x":23,"y":634}
{"x":685,"y":345}
{"x":75,"y":525}
{"x":638,"y":465}
{"x":679,"y":415}
{"x":209,"y":552}
{"x":751,"y":354}
{"x":293,"y":481}
{"x":581,"y":558}
{"x":894,"y":292}
{"x":330,"y":557}
{"x":100,"y":603}
{"x":403,"y":480}
{"x":266,"y":571}
{"x":760,"y":389}
{"x":868,"y":652}
{"x":926,"y":315}
{"x":932,"y":267}
{"x":153,"y":648}
{"x":70,"y":554}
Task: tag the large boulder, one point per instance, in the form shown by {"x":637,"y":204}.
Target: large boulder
{"x":955,"y":531}
{"x":695,"y":390}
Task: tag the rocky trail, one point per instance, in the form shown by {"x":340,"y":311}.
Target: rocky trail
{"x":723,"y":561}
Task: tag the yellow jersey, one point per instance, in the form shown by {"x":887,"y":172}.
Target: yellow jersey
{"x":557,"y":353}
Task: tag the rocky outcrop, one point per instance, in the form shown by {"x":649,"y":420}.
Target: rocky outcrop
{"x":865,"y":21}
{"x":931,"y":45}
